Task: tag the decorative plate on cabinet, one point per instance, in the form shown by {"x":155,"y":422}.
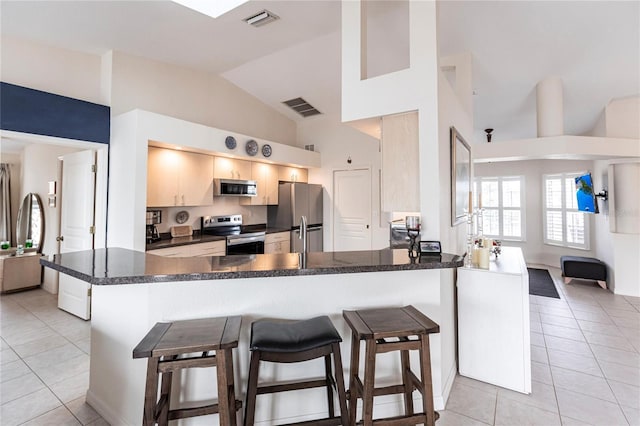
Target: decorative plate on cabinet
{"x":230,"y":142}
{"x":251,"y":147}
{"x":182,"y":216}
{"x":266,"y":150}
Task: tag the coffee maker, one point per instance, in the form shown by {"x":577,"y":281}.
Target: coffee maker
{"x":154,"y":217}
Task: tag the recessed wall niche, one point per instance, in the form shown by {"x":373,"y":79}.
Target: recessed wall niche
{"x":384,"y":37}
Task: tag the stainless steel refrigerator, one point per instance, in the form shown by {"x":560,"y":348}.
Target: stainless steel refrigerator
{"x":296,"y":200}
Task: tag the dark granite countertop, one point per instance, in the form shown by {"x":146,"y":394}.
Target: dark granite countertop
{"x":122,"y":266}
{"x":166,"y":241}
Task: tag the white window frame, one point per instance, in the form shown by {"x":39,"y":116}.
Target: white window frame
{"x":564,"y":209}
{"x":501,"y":208}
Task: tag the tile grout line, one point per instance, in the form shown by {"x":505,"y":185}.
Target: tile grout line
{"x":597,"y":363}
{"x":606,"y":379}
{"x":62,"y":404}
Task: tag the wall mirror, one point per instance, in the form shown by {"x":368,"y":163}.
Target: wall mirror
{"x":30,"y":224}
{"x":460,"y":178}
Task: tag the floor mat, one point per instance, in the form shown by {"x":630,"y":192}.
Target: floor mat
{"x":541,"y":283}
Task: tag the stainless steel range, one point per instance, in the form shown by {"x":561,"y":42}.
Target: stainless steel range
{"x":230,"y":226}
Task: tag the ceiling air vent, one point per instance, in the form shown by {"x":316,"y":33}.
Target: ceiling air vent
{"x":302,"y":107}
{"x":261,"y":18}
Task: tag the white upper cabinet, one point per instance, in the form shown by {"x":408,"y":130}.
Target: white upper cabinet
{"x":179,"y":178}
{"x":400,"y":171}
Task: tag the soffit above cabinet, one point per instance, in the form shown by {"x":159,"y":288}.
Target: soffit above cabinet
{"x":168,"y":132}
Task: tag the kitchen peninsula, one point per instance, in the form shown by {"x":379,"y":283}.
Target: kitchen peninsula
{"x":133,"y":290}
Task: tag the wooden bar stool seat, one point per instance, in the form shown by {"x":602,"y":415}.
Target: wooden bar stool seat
{"x":386,"y":330}
{"x":297,"y":341}
{"x":173,"y":346}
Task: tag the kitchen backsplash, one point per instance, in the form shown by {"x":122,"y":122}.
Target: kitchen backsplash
{"x":221,"y":206}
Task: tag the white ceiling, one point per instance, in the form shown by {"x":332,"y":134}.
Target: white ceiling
{"x":593,"y":46}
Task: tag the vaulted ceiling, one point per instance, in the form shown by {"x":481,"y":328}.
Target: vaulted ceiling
{"x":593,"y":46}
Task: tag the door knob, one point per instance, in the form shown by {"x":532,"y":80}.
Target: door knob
{"x":60,"y":238}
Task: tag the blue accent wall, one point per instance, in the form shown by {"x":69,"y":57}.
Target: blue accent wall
{"x":33,"y":111}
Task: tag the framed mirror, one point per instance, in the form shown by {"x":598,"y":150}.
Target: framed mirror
{"x":460,"y":177}
{"x":30,"y":224}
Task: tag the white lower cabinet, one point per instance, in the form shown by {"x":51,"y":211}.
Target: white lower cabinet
{"x":213,"y":248}
{"x":278,"y":242}
{"x":493,"y":322}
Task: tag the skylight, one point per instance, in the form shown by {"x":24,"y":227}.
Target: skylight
{"x":211,"y":8}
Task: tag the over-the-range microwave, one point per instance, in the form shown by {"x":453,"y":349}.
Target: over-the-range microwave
{"x":235,"y":187}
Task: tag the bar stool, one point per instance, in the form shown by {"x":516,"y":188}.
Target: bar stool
{"x":385,"y":330}
{"x":171,"y":346}
{"x":297,"y":341}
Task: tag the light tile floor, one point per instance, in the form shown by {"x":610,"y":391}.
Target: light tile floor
{"x":585,"y":350}
{"x":44,"y":363}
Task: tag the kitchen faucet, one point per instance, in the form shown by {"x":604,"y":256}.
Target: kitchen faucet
{"x":303,"y":233}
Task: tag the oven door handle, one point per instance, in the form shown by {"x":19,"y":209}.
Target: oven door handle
{"x":244,"y":240}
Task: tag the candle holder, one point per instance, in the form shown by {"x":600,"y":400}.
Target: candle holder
{"x":479,"y":221}
{"x":413,"y":231}
{"x":413,"y":245}
{"x":470,"y":241}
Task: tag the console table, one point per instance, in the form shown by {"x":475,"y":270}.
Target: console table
{"x":20,"y":272}
{"x":493,"y":322}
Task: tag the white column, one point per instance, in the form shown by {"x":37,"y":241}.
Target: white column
{"x":549,"y":107}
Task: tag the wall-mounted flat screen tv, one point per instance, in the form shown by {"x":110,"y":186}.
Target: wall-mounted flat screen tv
{"x":585,"y":195}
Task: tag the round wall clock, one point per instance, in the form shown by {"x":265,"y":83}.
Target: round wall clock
{"x":251,"y":147}
{"x":266,"y":150}
{"x":230,"y":142}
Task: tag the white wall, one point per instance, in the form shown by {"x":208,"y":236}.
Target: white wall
{"x":534,"y":249}
{"x":336,"y":142}
{"x":619,"y":251}
{"x":40,"y":165}
{"x":621,"y":116}
{"x":51,"y":69}
{"x":127,"y":82}
{"x":453,"y":104}
{"x":195,"y":96}
{"x":412,"y":89}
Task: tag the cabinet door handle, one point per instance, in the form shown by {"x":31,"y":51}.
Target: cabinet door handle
{"x":175,"y":200}
{"x":183,"y":203}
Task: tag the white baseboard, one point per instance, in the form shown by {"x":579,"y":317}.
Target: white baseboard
{"x":448,"y":384}
{"x":109,"y":415}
